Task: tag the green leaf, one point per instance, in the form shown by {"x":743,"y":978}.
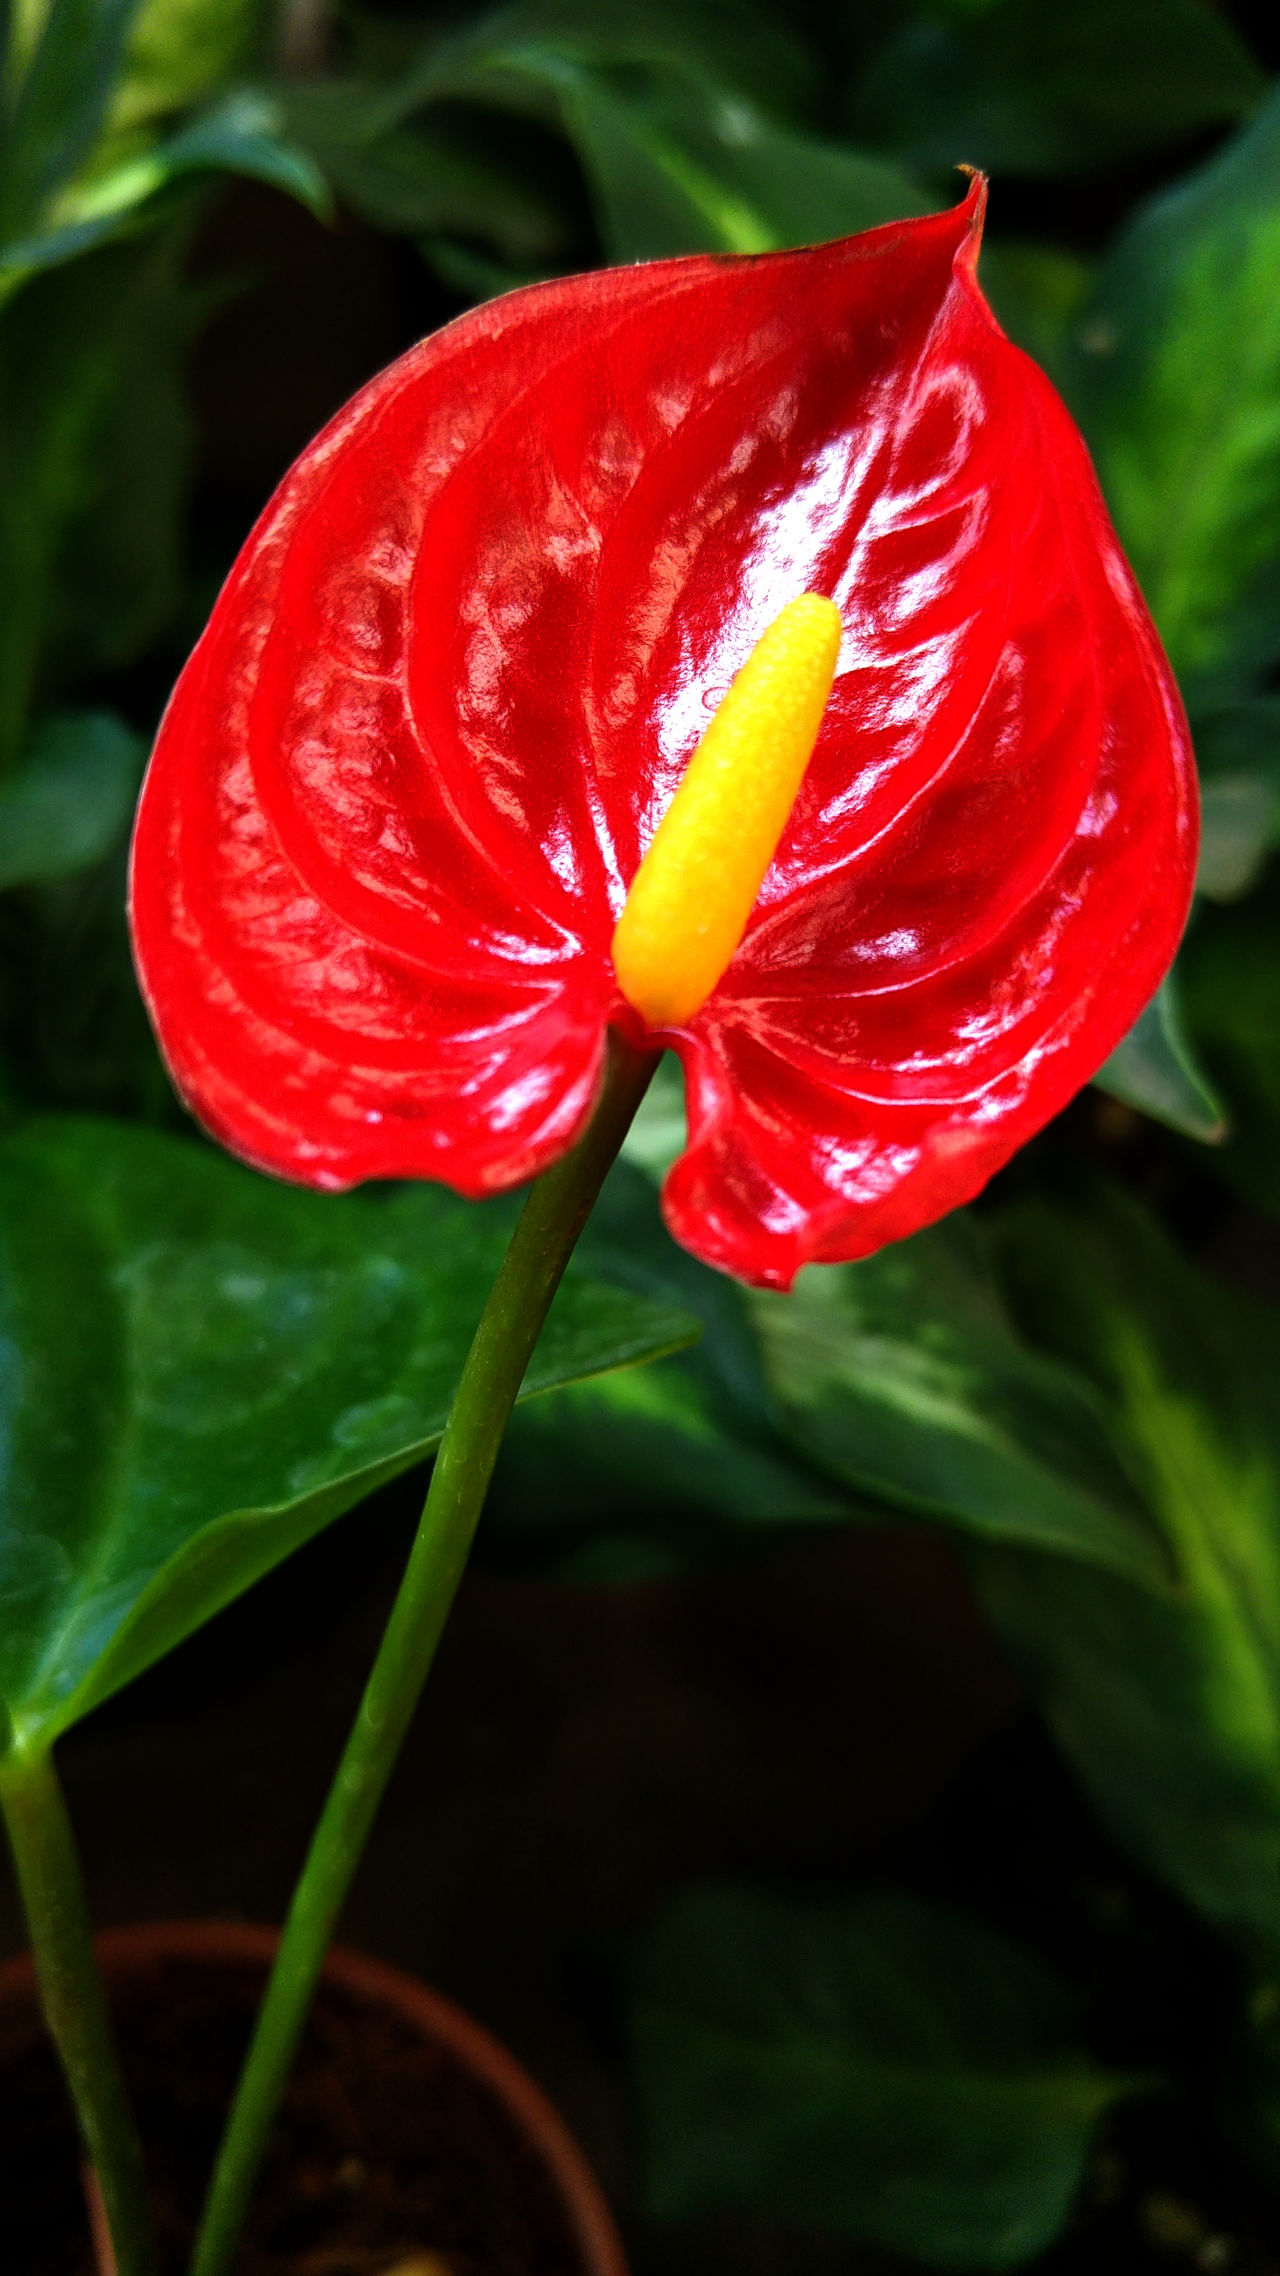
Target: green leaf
{"x":1155,"y":1069}
{"x":94,"y":441}
{"x":1238,"y":753}
{"x":1163,"y":1729}
{"x":239,"y":135}
{"x":882,"y":2068}
{"x":1237,"y":831}
{"x":1178,"y":388}
{"x":61,"y":102}
{"x":450,"y":173}
{"x":660,"y":1130}
{"x":1230,"y":967}
{"x":686,"y":1456}
{"x":1037,"y":292}
{"x":731,"y":45}
{"x":1186,"y":1368}
{"x":478,"y":276}
{"x":682,"y":166}
{"x":244,"y":134}
{"x":904,"y":1377}
{"x":72,"y":1027}
{"x":248,"y":1361}
{"x":1039,"y":90}
{"x":1166,"y":1701}
{"x":644,"y":1475}
{"x":70,"y":799}
{"x":179,"y":53}
{"x":682,"y":120}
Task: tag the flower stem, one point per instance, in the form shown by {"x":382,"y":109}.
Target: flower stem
{"x":541,"y":1245}
{"x":75,"y":2004}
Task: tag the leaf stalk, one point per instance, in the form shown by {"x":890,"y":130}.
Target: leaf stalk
{"x":75,"y":2004}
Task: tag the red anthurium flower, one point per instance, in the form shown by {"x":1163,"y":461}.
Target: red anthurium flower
{"x":410,"y":773}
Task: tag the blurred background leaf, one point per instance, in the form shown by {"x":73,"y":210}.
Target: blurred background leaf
{"x":1238,"y":754}
{"x":70,"y":799}
{"x":904,"y":1377}
{"x":177,"y":54}
{"x":59,"y":96}
{"x":86,"y":156}
{"x":1099,"y":1423}
{"x":687,"y":1457}
{"x":680,"y":166}
{"x":1155,"y":1067}
{"x":1166,"y":1701}
{"x":734,"y":43}
{"x":1049,"y":90}
{"x":880,"y":2068}
{"x":449,"y":173}
{"x":94,"y":436}
{"x":1178,"y":386}
{"x":1038,"y":293}
{"x":1231,"y":974}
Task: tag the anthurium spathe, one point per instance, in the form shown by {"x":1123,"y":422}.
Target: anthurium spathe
{"x":410,"y":774}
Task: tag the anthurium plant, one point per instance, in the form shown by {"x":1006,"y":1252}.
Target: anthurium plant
{"x":699,"y":705}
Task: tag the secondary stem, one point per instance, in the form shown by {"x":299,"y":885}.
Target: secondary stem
{"x":75,"y":2005}
{"x":543,"y":1241}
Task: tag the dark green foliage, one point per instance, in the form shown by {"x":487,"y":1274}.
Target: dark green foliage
{"x":880,"y":2067}
{"x":904,"y":1377}
{"x":678,"y":166}
{"x":1178,"y":386}
{"x":94,"y":439}
{"x":1167,"y":1701}
{"x":1238,"y":750}
{"x":1052,"y":90}
{"x":1155,"y":1068}
{"x":658,"y":1469}
{"x":70,"y":799}
{"x":1100,"y":1422}
{"x":58,"y":104}
{"x":1232,"y":968}
{"x":199,"y":1368}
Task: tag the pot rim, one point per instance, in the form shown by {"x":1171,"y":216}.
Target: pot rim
{"x":126,"y":1951}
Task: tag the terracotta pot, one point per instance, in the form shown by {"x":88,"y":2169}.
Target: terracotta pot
{"x":145,"y":1966}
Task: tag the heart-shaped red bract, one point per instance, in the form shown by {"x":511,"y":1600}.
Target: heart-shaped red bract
{"x":457,"y":671}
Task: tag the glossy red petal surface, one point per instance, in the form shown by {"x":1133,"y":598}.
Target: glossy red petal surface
{"x":455,"y":676}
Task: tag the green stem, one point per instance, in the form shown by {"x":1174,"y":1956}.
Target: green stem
{"x":75,"y":2004}
{"x":543,"y":1241}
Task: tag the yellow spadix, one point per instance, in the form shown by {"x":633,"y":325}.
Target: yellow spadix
{"x":694,"y":891}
